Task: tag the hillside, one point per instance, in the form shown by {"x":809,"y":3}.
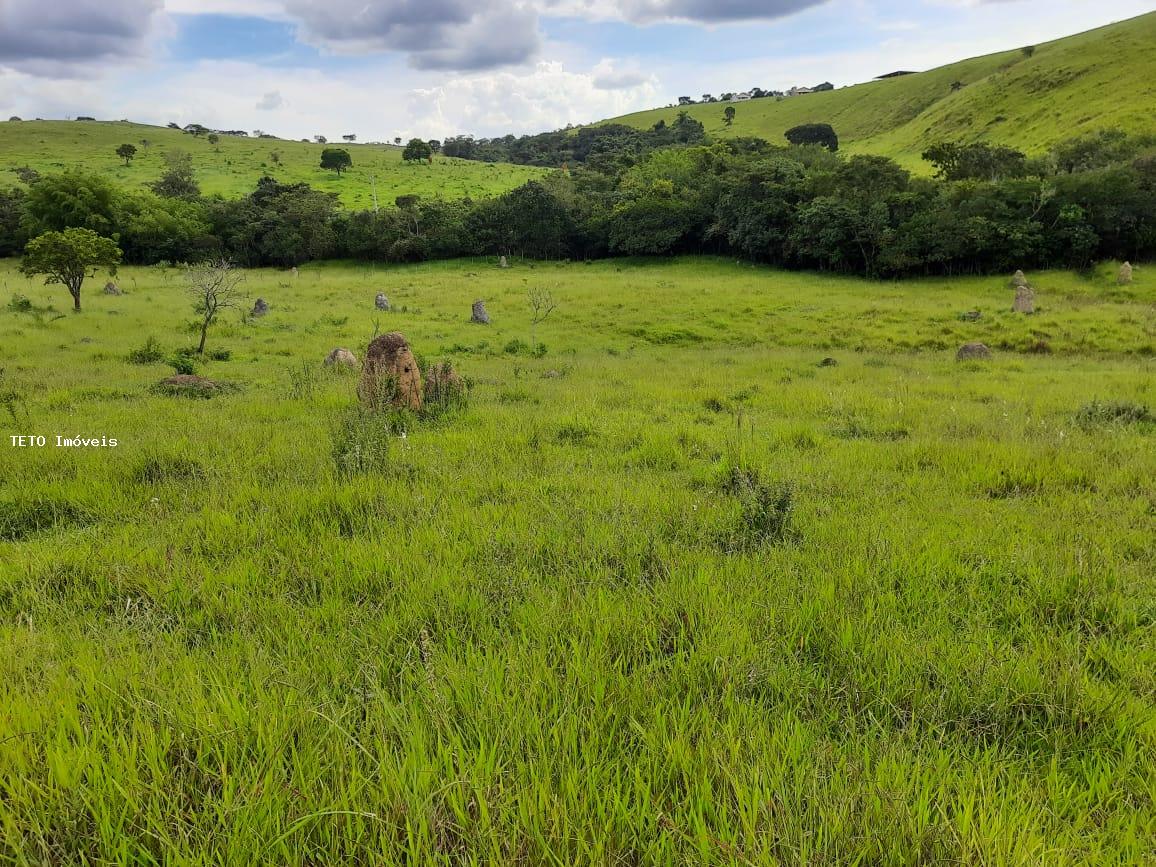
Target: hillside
{"x":1102,"y":78}
{"x":233,"y":166}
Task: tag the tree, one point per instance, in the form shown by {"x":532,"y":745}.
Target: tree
{"x":214,"y":139}
{"x":72,"y":200}
{"x":417,"y":151}
{"x":69,"y":257}
{"x":179,"y":180}
{"x":814,"y":134}
{"x":979,"y":161}
{"x":320,"y":139}
{"x":336,"y":159}
{"x":351,"y":137}
{"x":542,"y":304}
{"x":435,"y":145}
{"x":729,"y":115}
{"x":213,"y":286}
{"x":397,"y":140}
{"x":12,"y":234}
{"x":126,"y":152}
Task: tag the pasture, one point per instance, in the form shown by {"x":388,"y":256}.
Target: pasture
{"x":232,"y":167}
{"x":671,"y":590}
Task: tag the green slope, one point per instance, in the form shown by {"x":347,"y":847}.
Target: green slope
{"x":1099,"y":79}
{"x":233,"y":166}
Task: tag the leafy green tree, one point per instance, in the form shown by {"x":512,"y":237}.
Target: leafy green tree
{"x":69,"y":257}
{"x":179,"y":180}
{"x":336,"y":159}
{"x":156,"y":229}
{"x":417,"y":151}
{"x":72,"y":199}
{"x":126,"y":152}
{"x":729,"y":115}
{"x":12,"y":234}
{"x":955,"y":161}
{"x":822,"y":134}
{"x":214,"y":139}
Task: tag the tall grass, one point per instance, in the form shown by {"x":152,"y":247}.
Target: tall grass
{"x":582,"y":619}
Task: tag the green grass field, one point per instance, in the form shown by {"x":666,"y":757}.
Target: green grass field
{"x":556,"y":628}
{"x":1098,"y":80}
{"x":233,"y":167}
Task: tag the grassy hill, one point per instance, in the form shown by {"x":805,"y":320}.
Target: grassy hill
{"x":233,"y":166}
{"x":1099,"y":79}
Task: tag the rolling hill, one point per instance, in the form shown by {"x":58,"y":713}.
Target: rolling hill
{"x":233,"y":166}
{"x":1027,"y":98}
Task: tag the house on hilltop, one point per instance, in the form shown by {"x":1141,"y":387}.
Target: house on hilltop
{"x":898,"y":74}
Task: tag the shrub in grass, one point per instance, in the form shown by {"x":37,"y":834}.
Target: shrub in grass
{"x":19,"y":304}
{"x":766,"y":509}
{"x":445,"y":390}
{"x":361,"y":440}
{"x":150,"y":353}
{"x":220,"y":354}
{"x":183,"y":362}
{"x":25,"y":516}
{"x":1098,"y":414}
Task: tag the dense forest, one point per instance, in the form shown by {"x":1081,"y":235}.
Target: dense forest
{"x":662,"y":192}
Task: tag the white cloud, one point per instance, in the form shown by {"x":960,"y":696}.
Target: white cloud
{"x":271,"y":101}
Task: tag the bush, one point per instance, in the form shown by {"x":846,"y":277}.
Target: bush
{"x":150,"y":353}
{"x":1096,"y":414}
{"x":19,"y":304}
{"x":184,"y":362}
{"x":220,"y":354}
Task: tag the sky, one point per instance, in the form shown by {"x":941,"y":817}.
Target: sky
{"x":380,"y":69}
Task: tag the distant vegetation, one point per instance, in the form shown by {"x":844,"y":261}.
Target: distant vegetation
{"x":992,"y":209}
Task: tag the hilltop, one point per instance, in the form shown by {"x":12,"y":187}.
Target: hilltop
{"x":1030,"y":97}
{"x":233,"y":165}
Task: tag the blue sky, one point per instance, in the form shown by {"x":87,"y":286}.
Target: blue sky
{"x":438,"y":67}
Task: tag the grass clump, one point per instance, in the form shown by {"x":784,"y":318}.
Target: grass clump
{"x":1099,"y":414}
{"x":23,"y":517}
{"x":20,"y":304}
{"x":360,"y":440}
{"x":766,"y":509}
{"x":158,"y":469}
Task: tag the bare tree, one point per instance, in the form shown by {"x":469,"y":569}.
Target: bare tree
{"x":214,"y":286}
{"x":542,"y":304}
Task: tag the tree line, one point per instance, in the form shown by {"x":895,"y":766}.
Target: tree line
{"x":799,"y":206}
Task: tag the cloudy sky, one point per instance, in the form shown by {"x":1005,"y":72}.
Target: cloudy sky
{"x":433,"y":68}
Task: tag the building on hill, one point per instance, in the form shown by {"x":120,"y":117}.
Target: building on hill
{"x":799,"y":91}
{"x":742,"y":97}
{"x":898,"y":74}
